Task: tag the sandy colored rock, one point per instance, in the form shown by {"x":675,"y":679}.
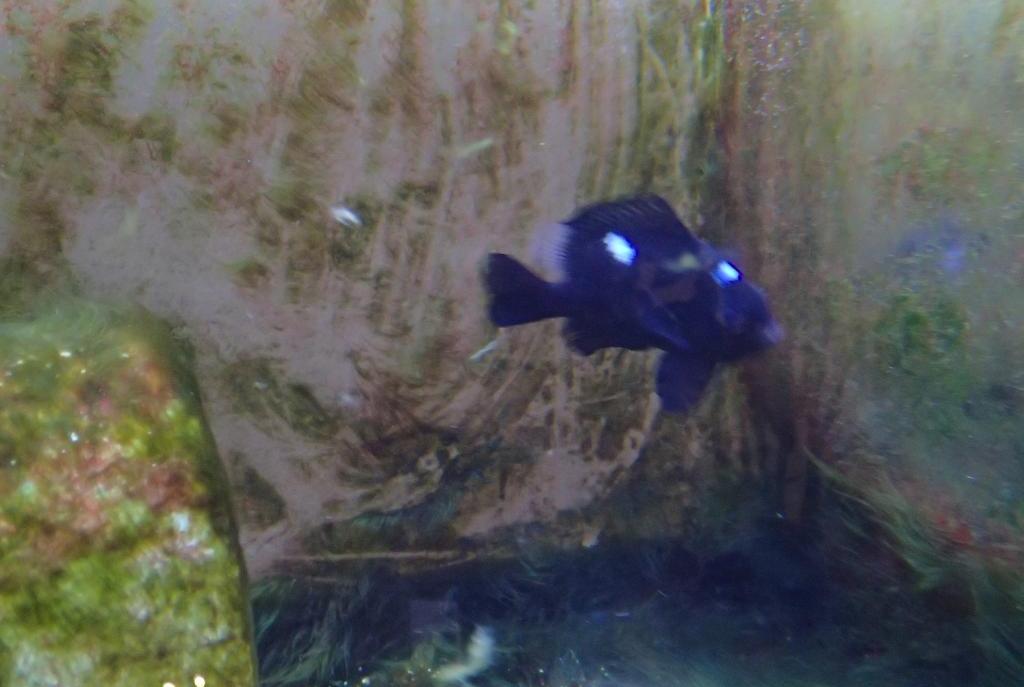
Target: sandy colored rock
{"x":194,"y":158}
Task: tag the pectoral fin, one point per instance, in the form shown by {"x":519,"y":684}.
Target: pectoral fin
{"x":659,"y":320}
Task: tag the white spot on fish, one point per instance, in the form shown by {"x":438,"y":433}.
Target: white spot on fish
{"x":74,"y":437}
{"x":726,"y":273}
{"x":619,"y":248}
{"x":346,"y":216}
{"x":685,"y":262}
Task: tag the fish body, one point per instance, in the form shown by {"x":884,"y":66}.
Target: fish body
{"x":629,"y":274}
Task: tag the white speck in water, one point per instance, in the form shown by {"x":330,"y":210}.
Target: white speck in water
{"x":482,"y":353}
{"x":619,"y":248}
{"x":199,"y":681}
{"x":168,"y":684}
{"x":347,"y":400}
{"x":474,"y":147}
{"x":478,"y":657}
{"x":65,"y":354}
{"x":74,"y":437}
{"x":261,"y":385}
{"x":181,"y":522}
{"x":346,"y":216}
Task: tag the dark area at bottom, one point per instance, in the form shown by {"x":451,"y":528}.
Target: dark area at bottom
{"x":774,"y":590}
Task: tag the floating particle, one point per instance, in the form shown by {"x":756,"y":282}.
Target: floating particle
{"x":474,"y":148}
{"x":345,"y":215}
{"x":483,"y":352}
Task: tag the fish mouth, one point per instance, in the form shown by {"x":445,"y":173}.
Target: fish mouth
{"x":772,"y":334}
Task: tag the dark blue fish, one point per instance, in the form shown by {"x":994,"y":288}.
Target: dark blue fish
{"x":631,"y":275}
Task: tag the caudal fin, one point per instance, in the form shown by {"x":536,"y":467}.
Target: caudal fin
{"x":517,"y":295}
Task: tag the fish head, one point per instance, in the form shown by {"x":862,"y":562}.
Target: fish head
{"x":747,"y":323}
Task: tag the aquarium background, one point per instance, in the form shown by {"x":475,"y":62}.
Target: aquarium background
{"x":279,"y":210}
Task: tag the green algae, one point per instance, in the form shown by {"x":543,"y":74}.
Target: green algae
{"x":70,"y":67}
{"x":85,"y":76}
{"x":942,"y":165}
{"x":88,"y":60}
{"x":657,"y":138}
{"x":425,"y":525}
{"x":313,"y":631}
{"x":965,"y":592}
{"x":228,"y":120}
{"x":158,"y":131}
{"x":259,"y":503}
{"x":250,"y":273}
{"x":918,"y":337}
{"x":218,"y":64}
{"x":297,"y":192}
{"x":349,"y":244}
{"x":346,"y":12}
{"x":703,"y":168}
{"x":423,"y":194}
{"x":118,"y":563}
{"x":294,"y":199}
{"x":259,"y":389}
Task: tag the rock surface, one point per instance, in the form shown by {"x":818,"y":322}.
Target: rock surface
{"x":119,"y":563}
{"x":307,"y":189}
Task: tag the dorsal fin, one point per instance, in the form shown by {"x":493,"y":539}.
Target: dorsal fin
{"x":644,"y":213}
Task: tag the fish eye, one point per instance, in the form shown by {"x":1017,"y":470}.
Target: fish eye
{"x":725,"y":273}
{"x":619,"y":248}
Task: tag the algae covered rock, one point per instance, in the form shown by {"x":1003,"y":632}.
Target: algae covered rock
{"x":118,"y":561}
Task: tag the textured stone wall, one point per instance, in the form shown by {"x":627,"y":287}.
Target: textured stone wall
{"x":187,"y":156}
{"x":193,"y":157}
